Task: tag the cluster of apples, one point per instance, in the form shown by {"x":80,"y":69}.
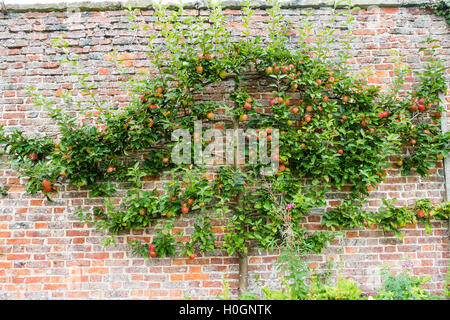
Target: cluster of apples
{"x":247,"y":106}
{"x":33,"y":156}
{"x":48,"y":187}
{"x":289,"y":69}
{"x":199,"y":68}
{"x":152,"y":250}
{"x":158,"y":93}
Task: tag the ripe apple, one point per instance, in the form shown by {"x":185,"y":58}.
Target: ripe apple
{"x":150,"y":122}
{"x":413,"y":142}
{"x":166,"y":160}
{"x":421,"y":213}
{"x":269,"y":70}
{"x":210,"y":115}
{"x":309,"y":109}
{"x":308,"y":118}
{"x":191,"y":201}
{"x":331,"y":79}
{"x":413,"y":108}
{"x":243,"y":117}
{"x":33,"y":156}
{"x":325,"y":99}
{"x":152,"y":254}
{"x":192,"y":256}
{"x":152,"y":247}
{"x":340,"y":151}
{"x":272,"y":102}
{"x":421,"y":100}
{"x":294,"y":110}
{"x":319,"y":82}
{"x":247,"y":106}
{"x":199,"y":69}
{"x":110,"y":169}
{"x":184,"y":209}
{"x":284,"y":69}
{"x":143,"y":212}
{"x":303,"y":145}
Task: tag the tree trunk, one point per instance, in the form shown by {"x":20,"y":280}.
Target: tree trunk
{"x":243,"y":273}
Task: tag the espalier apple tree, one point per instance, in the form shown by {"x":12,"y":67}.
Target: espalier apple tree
{"x":336,"y":133}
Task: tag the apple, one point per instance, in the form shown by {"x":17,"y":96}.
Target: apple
{"x":284,"y":69}
{"x":319,"y":82}
{"x":421,"y":107}
{"x":191,"y":201}
{"x":421,"y":100}
{"x":184,"y":209}
{"x":340,"y":151}
{"x":281,"y":168}
{"x":276,"y":70}
{"x":243,"y":117}
{"x":33,"y":156}
{"x":437,"y":115}
{"x":303,"y":146}
{"x":222,"y":74}
{"x":413,"y":108}
{"x":249,"y":99}
{"x":308,"y":118}
{"x":152,"y":247}
{"x":166,"y":160}
{"x":152,"y":106}
{"x":294,"y":86}
{"x":294,"y":110}
{"x":399,"y":163}
{"x":268,"y":130}
{"x":150,"y":122}
{"x":440,"y":156}
{"x":421,"y":213}
{"x":269,"y":70}
{"x":289,"y":123}
{"x":143,"y":212}
{"x":199,"y":69}
{"x":325,"y":99}
{"x":413,"y":142}
{"x":345,"y":98}
{"x":291,"y":66}
{"x":309,"y":109}
{"x":110,"y":169}
{"x":331,"y":79}
{"x":152,"y":254}
{"x":210,"y":115}
{"x":192,"y":256}
{"x":247,"y":106}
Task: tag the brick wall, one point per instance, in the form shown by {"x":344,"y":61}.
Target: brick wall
{"x":45,"y":252}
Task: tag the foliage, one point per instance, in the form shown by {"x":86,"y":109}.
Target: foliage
{"x":336,"y":132}
{"x":403,"y":286}
{"x":440,"y":8}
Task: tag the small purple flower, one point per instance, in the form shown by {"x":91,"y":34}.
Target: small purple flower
{"x":408,"y":265}
{"x":289,"y":206}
